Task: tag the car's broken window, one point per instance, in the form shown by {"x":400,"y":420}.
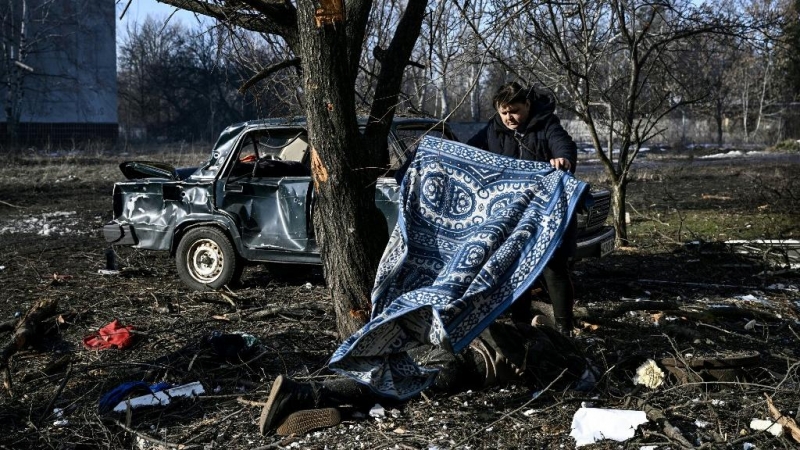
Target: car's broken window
{"x":408,"y":139}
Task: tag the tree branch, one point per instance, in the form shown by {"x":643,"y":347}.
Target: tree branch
{"x":267,"y":71}
{"x":273,"y":17}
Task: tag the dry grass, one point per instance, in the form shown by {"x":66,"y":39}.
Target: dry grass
{"x":657,"y":299}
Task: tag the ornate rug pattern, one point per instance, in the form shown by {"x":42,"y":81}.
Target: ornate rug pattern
{"x":475,"y":230}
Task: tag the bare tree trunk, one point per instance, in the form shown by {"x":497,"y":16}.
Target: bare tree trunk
{"x":718,"y":119}
{"x":348,"y":225}
{"x":618,"y":195}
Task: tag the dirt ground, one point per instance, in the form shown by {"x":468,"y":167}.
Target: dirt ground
{"x":659,"y":298}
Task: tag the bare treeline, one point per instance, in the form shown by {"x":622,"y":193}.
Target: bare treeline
{"x":618,"y":66}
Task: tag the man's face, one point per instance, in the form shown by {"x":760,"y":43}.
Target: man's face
{"x":514,"y":114}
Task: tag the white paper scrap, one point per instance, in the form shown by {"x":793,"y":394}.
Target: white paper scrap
{"x":770,"y":426}
{"x":590,"y":425}
{"x":161,"y":397}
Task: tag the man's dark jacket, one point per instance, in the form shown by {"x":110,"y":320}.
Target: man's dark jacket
{"x":541,"y":139}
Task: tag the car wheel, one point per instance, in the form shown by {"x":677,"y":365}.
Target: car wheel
{"x":206,"y":259}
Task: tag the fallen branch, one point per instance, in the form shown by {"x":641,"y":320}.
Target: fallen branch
{"x":672,"y":432}
{"x":786,"y":422}
{"x":26,"y":329}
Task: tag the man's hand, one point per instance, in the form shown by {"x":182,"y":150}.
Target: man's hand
{"x":561,"y":163}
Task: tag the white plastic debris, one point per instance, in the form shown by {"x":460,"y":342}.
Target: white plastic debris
{"x":590,"y":425}
{"x":162,"y":397}
{"x":105,"y":272}
{"x":772,"y":427}
{"x":649,"y":374}
{"x":61,"y":423}
{"x":308,"y":286}
{"x":750,"y":325}
{"x":377,"y":411}
{"x":701,"y":423}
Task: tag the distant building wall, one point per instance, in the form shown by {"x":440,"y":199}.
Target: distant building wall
{"x":70,"y":95}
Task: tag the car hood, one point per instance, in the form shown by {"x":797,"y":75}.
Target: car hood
{"x":137,"y":170}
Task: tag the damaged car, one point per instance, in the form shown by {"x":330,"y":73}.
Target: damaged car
{"x":252,"y":202}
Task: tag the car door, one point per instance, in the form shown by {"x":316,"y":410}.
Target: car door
{"x":267,"y":195}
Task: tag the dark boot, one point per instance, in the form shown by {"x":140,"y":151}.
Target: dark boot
{"x":565,"y":326}
{"x":286,"y":397}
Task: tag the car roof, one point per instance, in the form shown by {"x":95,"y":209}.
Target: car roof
{"x":301,"y":122}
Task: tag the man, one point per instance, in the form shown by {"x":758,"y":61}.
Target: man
{"x":504,"y":353}
{"x":526,"y":127}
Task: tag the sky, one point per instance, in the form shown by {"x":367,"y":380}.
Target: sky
{"x":140,"y":9}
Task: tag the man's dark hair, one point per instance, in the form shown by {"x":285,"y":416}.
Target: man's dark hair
{"x":509,"y":93}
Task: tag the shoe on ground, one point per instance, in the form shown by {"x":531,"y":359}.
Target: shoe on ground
{"x":301,"y":422}
{"x":285,"y":397}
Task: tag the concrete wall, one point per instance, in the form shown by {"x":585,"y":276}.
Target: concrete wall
{"x":72,"y":91}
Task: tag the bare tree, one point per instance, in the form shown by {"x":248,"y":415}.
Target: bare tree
{"x":615,"y":64}
{"x":756,"y":71}
{"x":327,"y":37}
{"x":181,"y":83}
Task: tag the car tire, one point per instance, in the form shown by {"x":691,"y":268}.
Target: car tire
{"x":206,"y":259}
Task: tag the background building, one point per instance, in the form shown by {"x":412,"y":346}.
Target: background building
{"x":58,"y":83}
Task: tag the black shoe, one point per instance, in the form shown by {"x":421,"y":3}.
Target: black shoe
{"x":285,"y":397}
{"x":565,"y":326}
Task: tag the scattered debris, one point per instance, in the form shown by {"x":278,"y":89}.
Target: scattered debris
{"x":113,"y":397}
{"x":106,"y":272}
{"x":786,"y":422}
{"x":722,"y":366}
{"x":161,"y":398}
{"x":649,"y":374}
{"x":233,"y":345}
{"x":590,"y":425}
{"x":26,"y":329}
{"x":111,"y":335}
{"x":776,"y":252}
{"x":377,"y":411}
{"x":770,"y":426}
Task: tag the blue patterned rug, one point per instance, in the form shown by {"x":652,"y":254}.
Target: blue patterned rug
{"x":476,"y":229}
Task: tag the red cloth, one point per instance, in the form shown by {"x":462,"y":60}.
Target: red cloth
{"x":111,"y":335}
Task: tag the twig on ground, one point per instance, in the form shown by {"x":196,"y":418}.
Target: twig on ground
{"x":786,"y":422}
{"x":250,"y":402}
{"x":149,"y":438}
{"x":10,"y":205}
{"x":671,"y":432}
{"x":52,"y":401}
{"x":743,"y":336}
{"x":263,"y":313}
{"x":504,"y":416}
